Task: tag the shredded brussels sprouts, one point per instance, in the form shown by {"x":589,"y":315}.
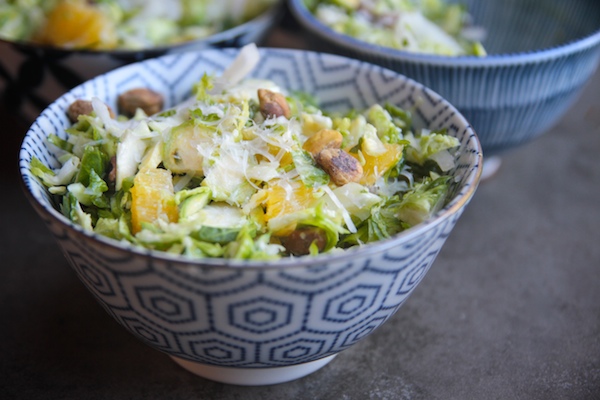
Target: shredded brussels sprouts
{"x":421,"y":26}
{"x":121,"y":24}
{"x":249,"y":171}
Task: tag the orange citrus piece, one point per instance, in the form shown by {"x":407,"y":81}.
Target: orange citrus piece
{"x":286,"y":159}
{"x":77,"y":24}
{"x":376,"y":166}
{"x":152,"y":198}
{"x":279,"y":202}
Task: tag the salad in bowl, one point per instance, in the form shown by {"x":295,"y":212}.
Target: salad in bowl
{"x":121,"y":24}
{"x":194,"y":197}
{"x":246,"y":169}
{"x":419,"y":26}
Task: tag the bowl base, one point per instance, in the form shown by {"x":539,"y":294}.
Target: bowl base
{"x":252,"y":376}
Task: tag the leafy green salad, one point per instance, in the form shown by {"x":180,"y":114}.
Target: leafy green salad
{"x":245,"y":170}
{"x":121,"y":24}
{"x":421,"y":26}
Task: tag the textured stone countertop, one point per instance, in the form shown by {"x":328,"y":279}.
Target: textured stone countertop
{"x":509,"y":310}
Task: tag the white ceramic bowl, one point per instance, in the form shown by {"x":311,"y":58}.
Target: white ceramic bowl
{"x":255,"y":323}
{"x":32,"y":76}
{"x":541,"y":54}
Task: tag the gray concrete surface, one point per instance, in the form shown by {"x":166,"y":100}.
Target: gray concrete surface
{"x":509,"y":310}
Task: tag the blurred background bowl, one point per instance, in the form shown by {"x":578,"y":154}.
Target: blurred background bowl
{"x":33,"y":75}
{"x":256,"y":323}
{"x":541,"y":53}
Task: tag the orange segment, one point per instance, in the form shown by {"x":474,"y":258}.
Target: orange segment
{"x":152,"y":198}
{"x":286,"y":160}
{"x":279,"y":202}
{"x":287,"y":156}
{"x":376,"y":166}
{"x":77,"y":24}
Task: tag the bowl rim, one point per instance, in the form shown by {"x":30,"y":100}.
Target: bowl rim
{"x":312,"y":24}
{"x":453,"y":208}
{"x":270,"y":14}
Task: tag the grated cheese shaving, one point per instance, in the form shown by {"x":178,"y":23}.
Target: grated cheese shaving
{"x":340,"y":206}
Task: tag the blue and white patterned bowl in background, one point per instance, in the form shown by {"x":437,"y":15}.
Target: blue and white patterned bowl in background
{"x":256,"y":323}
{"x":541,"y":54}
{"x":33,"y":76}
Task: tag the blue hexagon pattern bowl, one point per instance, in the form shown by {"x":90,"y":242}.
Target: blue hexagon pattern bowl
{"x":255,"y":323}
{"x":541,"y":53}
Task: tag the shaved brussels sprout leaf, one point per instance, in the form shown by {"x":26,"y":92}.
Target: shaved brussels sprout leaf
{"x":424,"y":200}
{"x":435,"y":146}
{"x":93,"y":194}
{"x":249,"y":246}
{"x":310,"y":174}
